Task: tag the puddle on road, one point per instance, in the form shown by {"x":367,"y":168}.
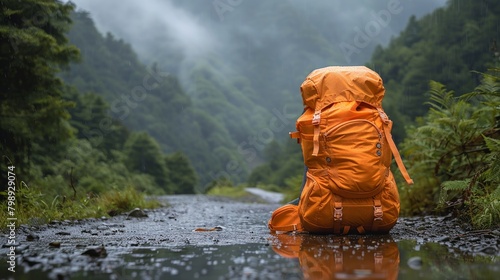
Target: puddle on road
{"x":290,"y":257}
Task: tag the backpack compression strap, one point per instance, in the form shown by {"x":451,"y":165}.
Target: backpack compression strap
{"x":392,"y":145}
{"x":285,"y":228}
{"x":316,"y":121}
{"x":387,"y":132}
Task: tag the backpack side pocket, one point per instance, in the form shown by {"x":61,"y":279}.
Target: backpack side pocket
{"x":284,"y":219}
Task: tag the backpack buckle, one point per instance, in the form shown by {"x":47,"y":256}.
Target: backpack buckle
{"x":379,"y":257}
{"x":337,"y":214}
{"x":383,"y":116}
{"x":377,"y":213}
{"x":316,"y":118}
{"x":339,"y":258}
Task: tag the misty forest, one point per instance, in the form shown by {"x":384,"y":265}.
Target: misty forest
{"x":117,"y":100}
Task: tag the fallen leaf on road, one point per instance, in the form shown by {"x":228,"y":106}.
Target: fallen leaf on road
{"x":209,"y":229}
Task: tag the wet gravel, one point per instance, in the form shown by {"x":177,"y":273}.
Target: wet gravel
{"x":200,"y":221}
{"x":450,"y":232}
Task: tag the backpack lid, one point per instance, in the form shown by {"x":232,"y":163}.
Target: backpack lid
{"x":332,"y":84}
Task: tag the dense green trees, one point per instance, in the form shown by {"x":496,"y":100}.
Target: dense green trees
{"x":70,"y":141}
{"x":33,"y":48}
{"x":283,"y":161}
{"x":182,"y":175}
{"x":444,"y":46}
{"x":91,"y":121}
{"x":143,"y":155}
{"x":151,"y":100}
{"x":122,"y":92}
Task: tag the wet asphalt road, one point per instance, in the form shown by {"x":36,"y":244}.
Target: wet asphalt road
{"x":175,"y":225}
{"x":203,"y":221}
{"x":187,"y":221}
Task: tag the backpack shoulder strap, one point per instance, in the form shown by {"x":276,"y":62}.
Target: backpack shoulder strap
{"x":392,"y":145}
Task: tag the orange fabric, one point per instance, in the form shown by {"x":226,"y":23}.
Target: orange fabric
{"x":361,"y":230}
{"x":334,"y":84}
{"x":349,"y":141}
{"x":317,"y":210}
{"x":394,"y":149}
{"x":346,"y":230}
{"x":294,"y":135}
{"x":285,"y":219}
{"x":316,"y":140}
{"x":348,"y":148}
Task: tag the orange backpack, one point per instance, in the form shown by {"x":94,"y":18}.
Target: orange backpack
{"x":347,"y":148}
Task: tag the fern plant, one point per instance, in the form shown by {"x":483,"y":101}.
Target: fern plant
{"x":454,"y":154}
{"x":485,"y":204}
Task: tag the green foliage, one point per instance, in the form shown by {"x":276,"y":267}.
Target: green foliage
{"x":493,"y":145}
{"x":455,"y":185}
{"x":89,"y":170}
{"x":294,"y":188}
{"x":182,"y":174}
{"x":206,"y":128}
{"x":143,"y":155}
{"x":228,"y":191}
{"x":122,"y":200}
{"x":224,"y":188}
{"x":78,"y":159}
{"x":284,"y":162}
{"x":32,"y":208}
{"x":485,"y":204}
{"x":33,"y":48}
{"x":91,"y":121}
{"x":442,"y":46}
{"x":454,"y":154}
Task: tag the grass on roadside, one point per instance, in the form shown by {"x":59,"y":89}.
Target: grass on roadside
{"x":226,"y":189}
{"x":229,"y":191}
{"x":33,"y":208}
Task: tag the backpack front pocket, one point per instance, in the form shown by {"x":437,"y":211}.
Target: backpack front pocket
{"x":355,"y":149}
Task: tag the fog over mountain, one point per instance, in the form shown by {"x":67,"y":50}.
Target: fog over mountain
{"x":199,"y":27}
{"x":253,"y":40}
{"x":241,"y":62}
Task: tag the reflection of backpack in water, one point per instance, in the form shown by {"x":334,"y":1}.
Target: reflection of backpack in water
{"x":347,"y":148}
{"x":324,"y":257}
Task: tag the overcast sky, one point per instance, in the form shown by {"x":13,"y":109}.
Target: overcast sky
{"x":201,"y":28}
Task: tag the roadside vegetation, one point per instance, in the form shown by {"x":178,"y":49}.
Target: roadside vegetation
{"x":224,"y":188}
{"x":454,"y":155}
{"x":64,"y":156}
{"x":34,"y":208}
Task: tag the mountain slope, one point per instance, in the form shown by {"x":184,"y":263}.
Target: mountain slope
{"x":151,"y":100}
{"x":445,"y":46}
